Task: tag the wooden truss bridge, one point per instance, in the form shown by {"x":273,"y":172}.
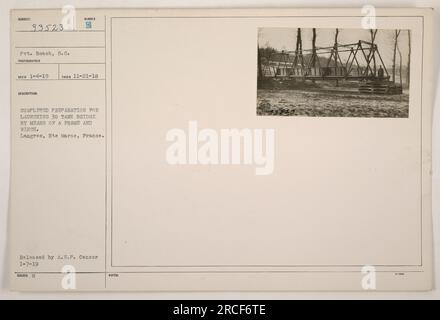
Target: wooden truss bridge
{"x":360,"y":61}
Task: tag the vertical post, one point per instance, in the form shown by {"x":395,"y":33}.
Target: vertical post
{"x":373,"y":50}
{"x":335,"y":48}
{"x":400,"y":66}
{"x":295,"y":60}
{"x":299,"y":50}
{"x":409,"y":59}
{"x":396,"y":37}
{"x":314,"y":57}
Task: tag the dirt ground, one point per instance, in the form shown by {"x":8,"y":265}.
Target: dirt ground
{"x":330,"y":103}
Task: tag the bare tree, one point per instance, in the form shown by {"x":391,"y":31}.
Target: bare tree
{"x":400,"y":65}
{"x":260,"y":67}
{"x":409,"y":59}
{"x":396,"y":38}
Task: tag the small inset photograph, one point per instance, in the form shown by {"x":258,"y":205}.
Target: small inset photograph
{"x":333,"y":72}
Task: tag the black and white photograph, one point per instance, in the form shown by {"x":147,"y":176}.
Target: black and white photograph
{"x":333,"y":72}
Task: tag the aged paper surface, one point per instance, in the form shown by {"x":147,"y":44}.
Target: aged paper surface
{"x":220,"y":150}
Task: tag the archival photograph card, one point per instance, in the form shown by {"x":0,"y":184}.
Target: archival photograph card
{"x":221,"y":150}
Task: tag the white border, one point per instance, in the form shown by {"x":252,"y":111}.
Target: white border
{"x":5,"y":6}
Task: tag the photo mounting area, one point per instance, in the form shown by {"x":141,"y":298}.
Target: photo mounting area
{"x":334,"y":178}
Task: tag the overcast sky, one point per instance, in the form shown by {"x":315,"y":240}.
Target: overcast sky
{"x":285,"y":39}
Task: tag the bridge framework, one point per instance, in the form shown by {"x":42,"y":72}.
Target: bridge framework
{"x":364,"y":62}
